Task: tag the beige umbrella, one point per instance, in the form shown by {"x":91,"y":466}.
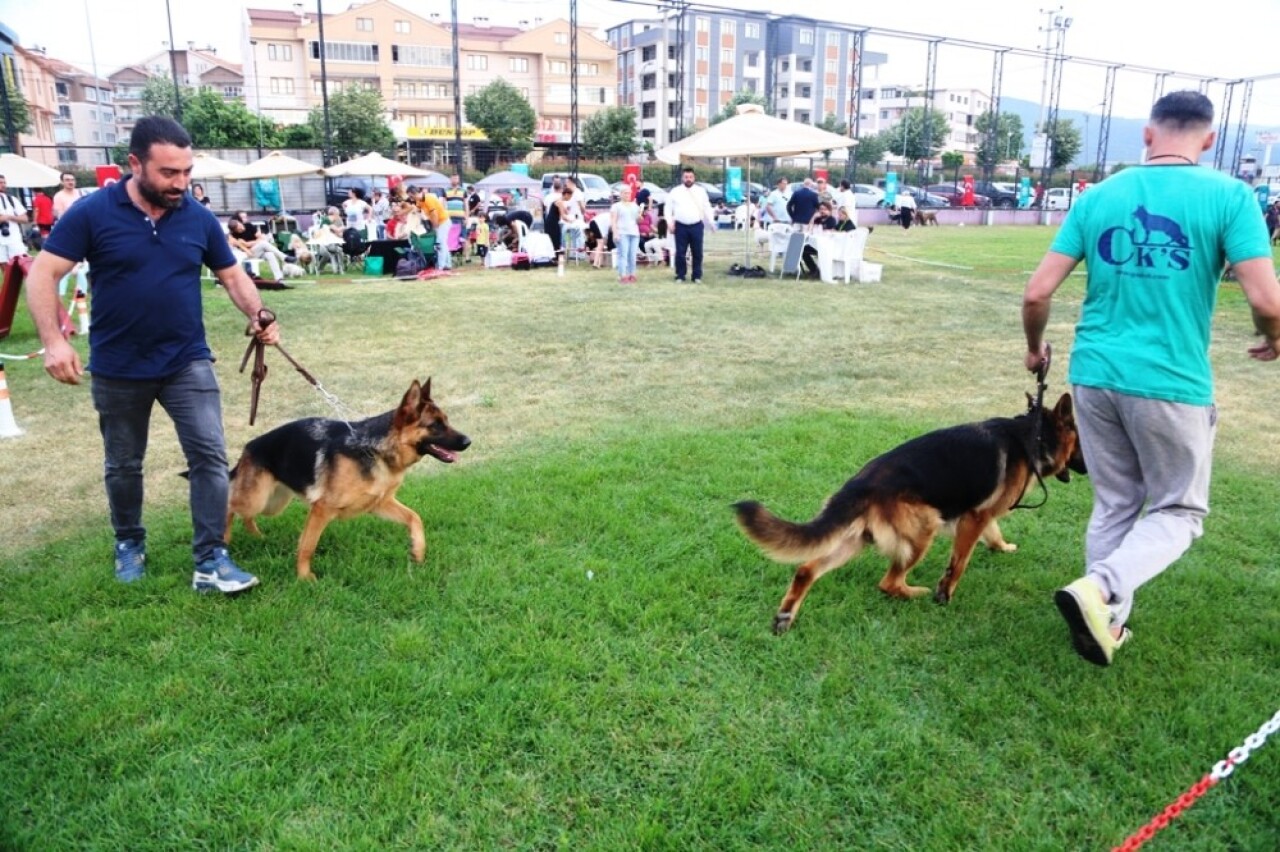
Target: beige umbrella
{"x":207,"y":166}
{"x":19,"y":172}
{"x":376,"y":165}
{"x":274,"y":165}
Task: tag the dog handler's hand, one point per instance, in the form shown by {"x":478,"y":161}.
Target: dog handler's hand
{"x":62,"y":362}
{"x":264,"y":327}
{"x":1035,"y":360}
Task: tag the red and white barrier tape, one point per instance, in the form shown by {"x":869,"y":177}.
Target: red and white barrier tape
{"x":1221,"y":770}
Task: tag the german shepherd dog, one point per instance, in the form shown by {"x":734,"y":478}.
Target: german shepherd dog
{"x":342,"y":469}
{"x":965,"y":477}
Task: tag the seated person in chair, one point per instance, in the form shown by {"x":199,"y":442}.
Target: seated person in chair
{"x":821,"y":221}
{"x":245,"y":238}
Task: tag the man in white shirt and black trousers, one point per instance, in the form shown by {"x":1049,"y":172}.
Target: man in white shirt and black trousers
{"x":689,"y":214}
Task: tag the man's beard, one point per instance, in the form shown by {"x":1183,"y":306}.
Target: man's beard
{"x":155,"y":197}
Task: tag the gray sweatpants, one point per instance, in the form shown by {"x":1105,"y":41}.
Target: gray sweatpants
{"x":1142,"y":453}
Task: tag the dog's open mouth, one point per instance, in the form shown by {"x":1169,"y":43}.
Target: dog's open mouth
{"x":440,"y":453}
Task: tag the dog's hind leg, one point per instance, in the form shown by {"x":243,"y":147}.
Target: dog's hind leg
{"x":808,"y":574}
{"x":394,"y":510}
{"x":994,"y":539}
{"x":317,"y":520}
{"x":969,"y":529}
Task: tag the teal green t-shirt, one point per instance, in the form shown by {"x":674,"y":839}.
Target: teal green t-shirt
{"x":1155,"y":239}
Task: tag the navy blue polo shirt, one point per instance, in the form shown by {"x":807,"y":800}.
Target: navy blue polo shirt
{"x":147,"y":315}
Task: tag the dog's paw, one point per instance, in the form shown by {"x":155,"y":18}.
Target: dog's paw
{"x":1005,"y":547}
{"x":781,"y":623}
{"x":942,"y":596}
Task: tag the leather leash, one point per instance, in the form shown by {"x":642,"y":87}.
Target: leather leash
{"x":258,"y":350}
{"x":1036,"y":409}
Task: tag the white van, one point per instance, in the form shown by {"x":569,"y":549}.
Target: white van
{"x":595,"y":189}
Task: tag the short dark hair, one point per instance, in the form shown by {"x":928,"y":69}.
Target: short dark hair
{"x":1183,"y":110}
{"x":156,"y":130}
{"x":66,"y":175}
{"x":688,"y":170}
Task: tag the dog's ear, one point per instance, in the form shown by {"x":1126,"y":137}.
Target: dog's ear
{"x":1064,"y":410}
{"x":1031,"y":401}
{"x":426,"y":389}
{"x":410,"y":405}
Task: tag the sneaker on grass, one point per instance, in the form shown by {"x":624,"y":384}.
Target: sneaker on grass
{"x":220,"y":574}
{"x":131,"y":558}
{"x":1089,"y":620}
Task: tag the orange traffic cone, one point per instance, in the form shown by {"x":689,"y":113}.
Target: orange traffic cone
{"x":8,"y":426}
{"x":82,"y":312}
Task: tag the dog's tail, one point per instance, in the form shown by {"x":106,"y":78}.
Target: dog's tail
{"x":791,"y":543}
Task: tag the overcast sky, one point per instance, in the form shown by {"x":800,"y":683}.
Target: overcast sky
{"x":1226,"y":39}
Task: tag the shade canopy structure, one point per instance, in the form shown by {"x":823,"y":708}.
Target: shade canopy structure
{"x":275,"y":165}
{"x":376,"y":165}
{"x":752,"y":133}
{"x":208,"y":167}
{"x":508,"y":180}
{"x":21,"y":173}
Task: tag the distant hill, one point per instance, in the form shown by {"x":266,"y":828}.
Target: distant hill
{"x":1125,"y":138}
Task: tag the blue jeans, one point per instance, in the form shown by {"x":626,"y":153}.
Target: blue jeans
{"x":626,"y":249}
{"x":192,"y":400}
{"x":689,"y":237}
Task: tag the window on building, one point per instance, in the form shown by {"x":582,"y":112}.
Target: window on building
{"x":702,"y":54}
{"x":804,"y":91}
{"x":562,"y":38}
{"x":67,"y":155}
{"x":477,"y":62}
{"x":803,"y":117}
{"x":726,"y":56}
{"x":282,"y":85}
{"x":829,"y":93}
{"x":647,"y":134}
{"x":518,"y":64}
{"x":91,"y":94}
{"x":786,"y":65}
{"x":649,"y":109}
{"x":700,"y":82}
{"x":559,"y":67}
{"x":726,"y":84}
{"x":61,"y":89}
{"x":402,"y":27}
{"x":109,"y":138}
{"x":783,"y":115}
{"x":364,"y":25}
{"x":784,"y":92}
{"x":233,"y":91}
{"x":346,"y":51}
{"x":648,"y":81}
{"x":753,"y":59}
{"x":751,"y":29}
{"x":589,"y":69}
{"x":671,"y":109}
{"x":884,"y":113}
{"x":704,"y":24}
{"x":831,"y":66}
{"x":749,"y":85}
{"x":64,"y":111}
{"x":649,"y":54}
{"x":805,"y":65}
{"x":806,"y":36}
{"x":421,"y":56}
{"x":105,"y":96}
{"x":699,"y":110}
{"x":671,"y":51}
{"x":728,"y":26}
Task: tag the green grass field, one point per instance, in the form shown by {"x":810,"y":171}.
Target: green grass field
{"x":584,"y":660}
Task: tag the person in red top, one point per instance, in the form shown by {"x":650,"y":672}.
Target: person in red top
{"x":42,"y":204}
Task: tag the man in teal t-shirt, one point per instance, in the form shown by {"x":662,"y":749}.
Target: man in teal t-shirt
{"x":1154,"y":239}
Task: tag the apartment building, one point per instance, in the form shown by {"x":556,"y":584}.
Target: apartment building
{"x":679,"y":70}
{"x":198,"y":68}
{"x":409,"y":59}
{"x":84,"y":126}
{"x":883,"y":106}
{"x":32,"y":73}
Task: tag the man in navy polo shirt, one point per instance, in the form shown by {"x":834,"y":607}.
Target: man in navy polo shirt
{"x":146,"y":241}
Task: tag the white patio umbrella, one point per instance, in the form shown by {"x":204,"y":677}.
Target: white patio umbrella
{"x":376,"y":165}
{"x":22,"y":173}
{"x":207,"y":167}
{"x":277,"y":165}
{"x":752,"y":133}
{"x":508,"y":180}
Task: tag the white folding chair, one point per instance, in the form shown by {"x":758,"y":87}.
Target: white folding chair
{"x":848,"y":261}
{"x":779,"y":238}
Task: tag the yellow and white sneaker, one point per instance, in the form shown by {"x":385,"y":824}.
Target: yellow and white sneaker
{"x":1089,"y":620}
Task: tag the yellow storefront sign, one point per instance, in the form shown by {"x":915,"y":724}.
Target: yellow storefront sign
{"x":472,"y":134}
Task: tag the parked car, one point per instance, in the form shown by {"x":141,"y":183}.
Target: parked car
{"x":923,"y":197}
{"x":595,"y":189}
{"x":866,"y":195}
{"x":753,"y":189}
{"x":954,"y":193}
{"x":1061,"y":197}
{"x":657,"y":195}
{"x":1001,"y":194}
{"x":340,"y":186}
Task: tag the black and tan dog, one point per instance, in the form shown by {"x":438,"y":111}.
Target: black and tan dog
{"x":342,"y":469}
{"x":965,"y":477}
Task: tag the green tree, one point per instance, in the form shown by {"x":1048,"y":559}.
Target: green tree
{"x":300,"y":135}
{"x":731,"y":108}
{"x":907,"y":140}
{"x":831,"y":124}
{"x":952,"y":161}
{"x":610,"y":133}
{"x":870,"y":149}
{"x":356,"y":117}
{"x":1006,"y":144}
{"x":504,"y":115}
{"x":158,"y":98}
{"x":1065,"y":139}
{"x":18,"y":112}
{"x":215,"y":122}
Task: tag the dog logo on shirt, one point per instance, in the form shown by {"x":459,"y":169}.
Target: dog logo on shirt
{"x":1154,"y":242}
